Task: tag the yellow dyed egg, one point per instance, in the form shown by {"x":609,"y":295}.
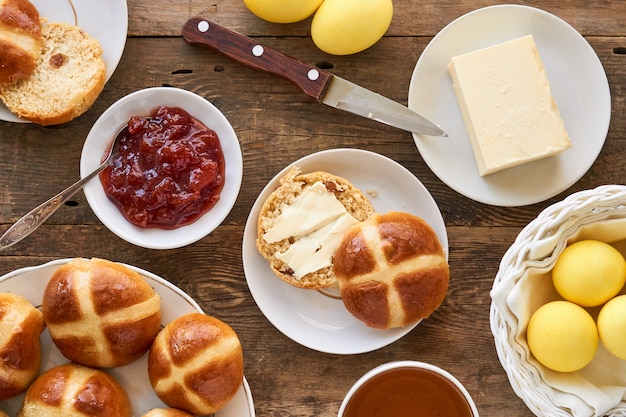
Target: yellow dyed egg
{"x":283,"y":11}
{"x":562,"y":336}
{"x":589,"y":272}
{"x":612,"y":326}
{"x":344,"y":27}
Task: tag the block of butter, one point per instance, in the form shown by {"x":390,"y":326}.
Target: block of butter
{"x":508,"y":109}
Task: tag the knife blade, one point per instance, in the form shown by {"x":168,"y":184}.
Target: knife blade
{"x":321,"y":85}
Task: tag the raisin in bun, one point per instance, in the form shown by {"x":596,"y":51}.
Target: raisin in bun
{"x":21,"y":325}
{"x":392,"y":270}
{"x":77,"y":391}
{"x":167,"y":412}
{"x":68,"y":77}
{"x":315,"y":268}
{"x":196,"y":364}
{"x":20,"y":40}
{"x":100,"y":313}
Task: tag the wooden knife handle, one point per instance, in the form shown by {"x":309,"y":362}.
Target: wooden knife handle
{"x":247,"y":51}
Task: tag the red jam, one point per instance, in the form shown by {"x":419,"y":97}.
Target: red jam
{"x":167,"y":169}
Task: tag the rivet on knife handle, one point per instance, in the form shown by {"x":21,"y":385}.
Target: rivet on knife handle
{"x":310,"y":79}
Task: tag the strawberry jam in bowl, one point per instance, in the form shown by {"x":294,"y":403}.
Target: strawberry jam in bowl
{"x":176,"y":168}
{"x":167,"y":169}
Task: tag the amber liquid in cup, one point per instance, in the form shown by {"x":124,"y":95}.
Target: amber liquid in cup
{"x":408,"y":392}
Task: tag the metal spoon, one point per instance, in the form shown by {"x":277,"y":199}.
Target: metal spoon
{"x":37,"y":216}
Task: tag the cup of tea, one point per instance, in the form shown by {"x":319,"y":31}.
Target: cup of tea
{"x":407,"y":388}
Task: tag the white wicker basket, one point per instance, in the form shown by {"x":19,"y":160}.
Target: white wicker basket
{"x":537,"y":246}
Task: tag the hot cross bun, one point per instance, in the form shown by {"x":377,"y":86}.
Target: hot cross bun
{"x":21,"y":325}
{"x":196,"y":364}
{"x":392,"y":270}
{"x":101,"y":313}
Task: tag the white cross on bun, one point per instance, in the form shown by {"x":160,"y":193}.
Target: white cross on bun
{"x":392,"y":270}
{"x":20,"y":40}
{"x":100,"y":313}
{"x":196,"y":364}
{"x":75,"y":390}
{"x":21,"y":325}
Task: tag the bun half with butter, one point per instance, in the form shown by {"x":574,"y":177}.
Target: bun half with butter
{"x":301,"y":223}
{"x":392,"y":270}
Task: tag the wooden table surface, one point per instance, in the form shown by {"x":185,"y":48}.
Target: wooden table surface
{"x":276,"y":125}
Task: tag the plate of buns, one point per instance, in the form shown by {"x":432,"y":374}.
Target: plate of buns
{"x":115,"y":326}
{"x":64,"y":48}
{"x":345,"y":251}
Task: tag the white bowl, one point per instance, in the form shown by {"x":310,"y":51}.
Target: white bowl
{"x":141,"y":103}
{"x":524,"y":283}
{"x":426,"y":376}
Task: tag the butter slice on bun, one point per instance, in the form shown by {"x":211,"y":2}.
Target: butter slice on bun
{"x":100,"y":313}
{"x":301,"y":223}
{"x":392,"y":270}
{"x":68,"y":77}
{"x":21,"y":325}
{"x":77,"y":391}
{"x":20,"y":40}
{"x":196,"y":364}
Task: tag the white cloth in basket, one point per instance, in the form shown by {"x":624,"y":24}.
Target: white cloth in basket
{"x":601,"y":385}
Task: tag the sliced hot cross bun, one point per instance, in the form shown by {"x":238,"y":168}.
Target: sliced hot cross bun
{"x":77,"y":391}
{"x":300,"y":225}
{"x":101,"y":313}
{"x":21,"y":325}
{"x":392,"y":270}
{"x":196,"y":364}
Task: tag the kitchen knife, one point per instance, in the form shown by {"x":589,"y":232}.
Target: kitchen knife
{"x":315,"y":82}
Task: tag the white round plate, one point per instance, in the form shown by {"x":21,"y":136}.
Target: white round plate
{"x":141,"y":103}
{"x":309,"y":317}
{"x":579,"y":86}
{"x":107,"y":21}
{"x":30,"y":282}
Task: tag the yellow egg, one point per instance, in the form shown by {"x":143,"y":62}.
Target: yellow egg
{"x":283,"y":11}
{"x":612,"y":326}
{"x":589,"y":273}
{"x":562,"y":336}
{"x":344,"y":27}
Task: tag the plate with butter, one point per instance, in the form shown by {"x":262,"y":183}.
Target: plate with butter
{"x":317,"y":319}
{"x":524,"y":99}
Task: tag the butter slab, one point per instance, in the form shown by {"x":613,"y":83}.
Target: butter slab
{"x":507,"y":105}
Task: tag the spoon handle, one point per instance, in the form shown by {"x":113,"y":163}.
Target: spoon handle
{"x":37,"y":216}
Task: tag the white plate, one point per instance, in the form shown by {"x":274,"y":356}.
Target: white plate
{"x":579,"y":86}
{"x":308,"y":317}
{"x":140,"y":103}
{"x":107,"y":21}
{"x":30,"y":283}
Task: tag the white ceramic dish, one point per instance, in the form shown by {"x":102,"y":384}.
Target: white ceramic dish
{"x":309,"y":317}
{"x":425,"y":367}
{"x":107,"y":21}
{"x":141,"y":103}
{"x":30,"y":282}
{"x":579,"y":86}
